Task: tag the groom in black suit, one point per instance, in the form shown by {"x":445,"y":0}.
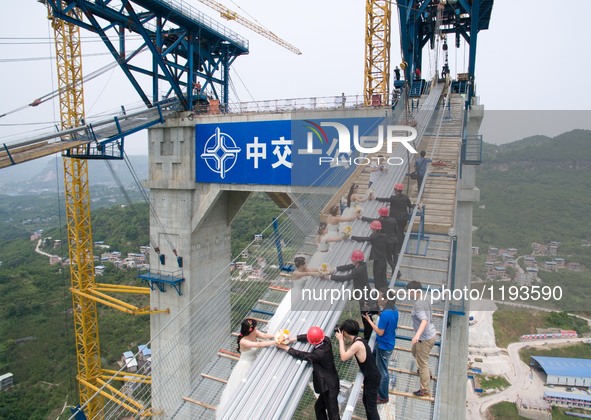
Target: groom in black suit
{"x":324,"y":374}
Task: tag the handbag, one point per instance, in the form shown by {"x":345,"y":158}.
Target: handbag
{"x":414,"y":175}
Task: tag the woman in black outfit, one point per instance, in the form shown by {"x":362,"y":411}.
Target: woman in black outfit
{"x":367,"y":364}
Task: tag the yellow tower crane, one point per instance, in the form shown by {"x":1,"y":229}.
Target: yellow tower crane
{"x":377,"y":52}
{"x":92,"y":379}
{"x":229,"y":14}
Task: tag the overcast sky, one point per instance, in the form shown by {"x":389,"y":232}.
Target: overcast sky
{"x":533,"y":57}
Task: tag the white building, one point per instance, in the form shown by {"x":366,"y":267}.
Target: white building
{"x":6,"y":381}
{"x":129,"y":361}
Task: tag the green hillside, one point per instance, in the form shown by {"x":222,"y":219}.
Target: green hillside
{"x":535,"y":189}
{"x":36,"y":331}
{"x":568,"y":148}
{"x":538,"y":190}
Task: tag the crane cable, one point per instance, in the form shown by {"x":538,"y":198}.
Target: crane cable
{"x":90,"y":76}
{"x":151,"y":207}
{"x":125,"y":194}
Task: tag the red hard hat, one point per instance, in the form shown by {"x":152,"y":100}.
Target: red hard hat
{"x":398,"y":186}
{"x":384,"y":211}
{"x":357,"y":255}
{"x":315,"y":335}
{"x":376,"y":225}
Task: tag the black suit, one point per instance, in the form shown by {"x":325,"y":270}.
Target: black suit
{"x":390,"y":228}
{"x":360,"y":282}
{"x":379,"y":256}
{"x":324,"y":377}
{"x":400,"y":207}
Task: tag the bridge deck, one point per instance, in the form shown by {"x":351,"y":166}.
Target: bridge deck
{"x":279,"y":393}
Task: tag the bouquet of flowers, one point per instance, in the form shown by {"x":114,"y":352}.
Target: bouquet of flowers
{"x":282,"y":337}
{"x":347,"y":230}
{"x":358,"y":210}
{"x":324,"y":269}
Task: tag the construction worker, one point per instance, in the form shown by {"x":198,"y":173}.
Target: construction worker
{"x":378,"y":253}
{"x":421,"y":168}
{"x":197,"y":88}
{"x":400,"y":207}
{"x":390,"y":228}
{"x":325,"y":377}
{"x":357,"y":271}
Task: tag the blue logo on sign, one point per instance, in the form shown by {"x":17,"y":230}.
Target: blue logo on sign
{"x":220,"y":153}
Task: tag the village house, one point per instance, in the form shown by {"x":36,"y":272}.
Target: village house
{"x":530,"y":261}
{"x":129,"y":361}
{"x":512,"y":251}
{"x":137,"y":257}
{"x":574,"y":266}
{"x":550,"y":266}
{"x":553,"y":248}
{"x":539,"y":249}
{"x":531,"y":273}
{"x":560,"y":262}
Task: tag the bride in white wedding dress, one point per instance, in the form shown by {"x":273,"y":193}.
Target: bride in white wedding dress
{"x":247,"y":346}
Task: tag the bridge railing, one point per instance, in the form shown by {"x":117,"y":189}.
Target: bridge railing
{"x":296,"y":104}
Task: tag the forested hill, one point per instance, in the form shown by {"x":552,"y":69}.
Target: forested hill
{"x":535,"y":189}
{"x":571,"y":150}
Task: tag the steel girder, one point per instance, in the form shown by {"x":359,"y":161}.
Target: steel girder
{"x":418,"y":25}
{"x":184,"y":45}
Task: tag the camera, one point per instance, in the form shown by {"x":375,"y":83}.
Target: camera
{"x":337,"y":328}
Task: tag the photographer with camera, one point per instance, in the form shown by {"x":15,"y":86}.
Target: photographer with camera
{"x":385,"y":340}
{"x":359,"y":348}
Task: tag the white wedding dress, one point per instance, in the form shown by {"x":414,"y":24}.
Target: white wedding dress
{"x":237,"y":377}
{"x":333,"y":231}
{"x":348,"y":212}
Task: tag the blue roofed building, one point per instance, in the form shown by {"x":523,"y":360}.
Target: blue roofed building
{"x":568,"y":399}
{"x":564,"y":371}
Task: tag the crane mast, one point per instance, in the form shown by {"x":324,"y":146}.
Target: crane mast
{"x":92,"y":379}
{"x":77,"y":204}
{"x":377,"y":52}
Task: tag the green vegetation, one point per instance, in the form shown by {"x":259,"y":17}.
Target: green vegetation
{"x":529,"y":184}
{"x":566,"y":322}
{"x":493,"y":382}
{"x":508,"y":411}
{"x":535,"y":190}
{"x":504,"y":411}
{"x":578,"y":351}
{"x":559,"y":413}
{"x":255,"y":216}
{"x":36,"y":331}
{"x":576,"y":288}
{"x":510,"y":324}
